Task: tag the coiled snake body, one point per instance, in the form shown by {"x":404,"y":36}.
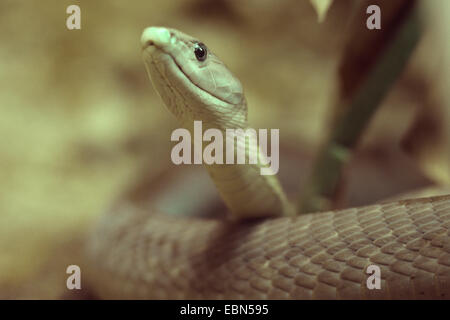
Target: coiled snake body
{"x":136,"y":253}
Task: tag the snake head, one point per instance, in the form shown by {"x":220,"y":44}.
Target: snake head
{"x":191,"y":80}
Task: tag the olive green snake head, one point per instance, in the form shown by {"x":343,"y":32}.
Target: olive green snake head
{"x":136,"y":252}
{"x":191,"y":80}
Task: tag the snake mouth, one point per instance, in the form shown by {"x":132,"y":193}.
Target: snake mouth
{"x":152,"y":50}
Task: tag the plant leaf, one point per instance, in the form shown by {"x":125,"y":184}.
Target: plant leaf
{"x":321,"y":7}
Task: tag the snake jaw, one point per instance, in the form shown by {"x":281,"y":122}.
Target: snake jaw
{"x":209,"y":75}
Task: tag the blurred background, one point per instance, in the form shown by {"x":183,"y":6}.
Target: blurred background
{"x":79,"y":120}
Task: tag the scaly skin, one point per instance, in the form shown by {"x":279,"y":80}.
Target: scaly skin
{"x":139,"y":254}
{"x":136,"y":253}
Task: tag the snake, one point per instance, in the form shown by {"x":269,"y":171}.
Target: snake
{"x":262,"y":250}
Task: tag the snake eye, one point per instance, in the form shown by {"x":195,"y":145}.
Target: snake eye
{"x":201,"y":52}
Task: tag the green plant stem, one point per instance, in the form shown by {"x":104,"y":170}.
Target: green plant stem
{"x":322,"y":186}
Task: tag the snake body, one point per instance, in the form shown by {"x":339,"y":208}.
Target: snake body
{"x":137,"y":253}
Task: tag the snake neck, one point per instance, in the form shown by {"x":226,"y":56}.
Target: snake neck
{"x":244,"y":176}
{"x":245,"y":190}
{"x":247,"y":193}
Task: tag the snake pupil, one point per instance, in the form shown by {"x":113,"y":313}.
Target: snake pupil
{"x":200,"y":51}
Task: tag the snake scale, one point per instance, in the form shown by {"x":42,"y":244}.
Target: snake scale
{"x":138,"y":253}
